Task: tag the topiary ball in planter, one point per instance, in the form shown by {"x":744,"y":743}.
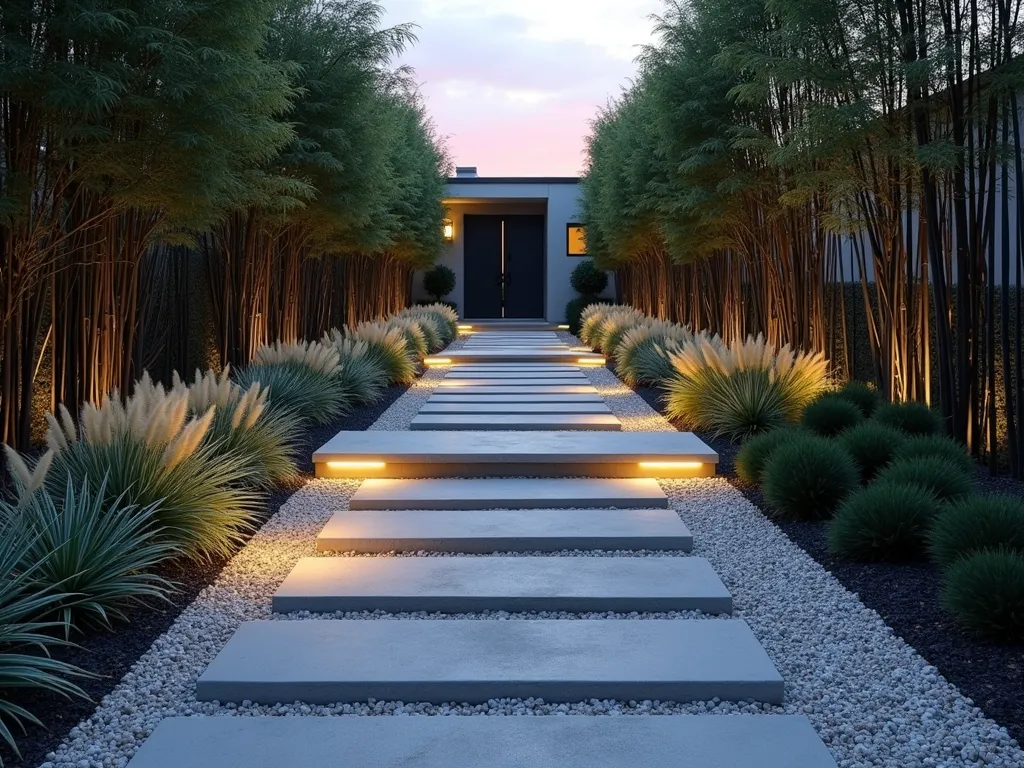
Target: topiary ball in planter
{"x":985,"y":592}
{"x":756,"y":450}
{"x":885,"y":521}
{"x":990,"y":521}
{"x":912,"y":418}
{"x":587,"y":279}
{"x":938,"y":446}
{"x":936,"y":475}
{"x":866,"y":398}
{"x":830,"y":414}
{"x":439,"y":281}
{"x":807,"y":477}
{"x":575,"y":308}
{"x":872,"y":446}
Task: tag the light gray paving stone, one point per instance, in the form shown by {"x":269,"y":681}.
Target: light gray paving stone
{"x":680,"y":741}
{"x":432,"y":406}
{"x":520,"y":422}
{"x":506,"y":376}
{"x":515,"y":367}
{"x":521,"y":356}
{"x":450,"y":382}
{"x":446,"y":397}
{"x":482,"y":531}
{"x":473,"y":661}
{"x":473,"y":584}
{"x":509,"y":493}
{"x":509,"y":389}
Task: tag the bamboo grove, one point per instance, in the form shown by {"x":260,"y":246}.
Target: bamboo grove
{"x":841,"y":175}
{"x":258,"y":168}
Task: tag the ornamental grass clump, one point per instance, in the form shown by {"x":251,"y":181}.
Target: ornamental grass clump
{"x":614,"y":323}
{"x":938,"y":446}
{"x":263,"y":438}
{"x":885,"y":521}
{"x":415,"y":339}
{"x":985,"y":592}
{"x":911,"y":418}
{"x":640,"y":357}
{"x":931,"y":473}
{"x":99,"y":554}
{"x":976,"y":523}
{"x":743,"y":388}
{"x":590,"y":321}
{"x":390,"y":348}
{"x":151,"y":452}
{"x":865,"y":397}
{"x":807,"y":477}
{"x":872,"y":446}
{"x":361,"y":374}
{"x":758,"y":449}
{"x":829,"y":415}
{"x":442,"y":317}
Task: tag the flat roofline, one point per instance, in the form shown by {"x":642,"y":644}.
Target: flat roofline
{"x":514,"y":180}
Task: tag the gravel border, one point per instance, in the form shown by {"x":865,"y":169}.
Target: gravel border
{"x":111,"y":654}
{"x":872,"y":698}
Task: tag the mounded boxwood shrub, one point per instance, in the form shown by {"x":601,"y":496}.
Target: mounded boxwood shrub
{"x":756,"y":450}
{"x":808,"y":477}
{"x":885,"y":521}
{"x":872,"y":446}
{"x":439,"y":281}
{"x":830,"y":414}
{"x":990,"y":521}
{"x":985,"y":592}
{"x":587,"y":279}
{"x":933,"y":474}
{"x":860,"y":394}
{"x":937,"y":445}
{"x":912,"y":418}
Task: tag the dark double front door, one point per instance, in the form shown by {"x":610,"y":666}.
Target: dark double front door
{"x":504,"y":266}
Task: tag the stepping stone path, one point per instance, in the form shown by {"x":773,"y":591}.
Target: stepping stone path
{"x":511,"y":463}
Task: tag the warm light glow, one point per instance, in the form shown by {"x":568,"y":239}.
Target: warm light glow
{"x":449,"y":230}
{"x":671,"y":465}
{"x":563,"y":327}
{"x":438,"y":361}
{"x":591,"y":361}
{"x":467,"y":327}
{"x":356,"y":464}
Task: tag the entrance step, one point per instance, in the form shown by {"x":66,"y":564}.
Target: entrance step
{"x":442,"y":396}
{"x":509,"y":493}
{"x":472,"y":661}
{"x":482,"y":531}
{"x":516,"y":356}
{"x":468,"y":584}
{"x":432,"y":406}
{"x":534,"y":380}
{"x":512,"y":389}
{"x":683,"y":741}
{"x":527,"y":454}
{"x":516,"y":421}
{"x":505,"y":326}
{"x":515,"y":368}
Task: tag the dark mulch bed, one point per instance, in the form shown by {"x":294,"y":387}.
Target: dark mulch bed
{"x":111,"y":654}
{"x":907,"y":597}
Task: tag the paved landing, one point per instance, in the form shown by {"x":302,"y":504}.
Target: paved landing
{"x":534,"y":380}
{"x":434,"y":406}
{"x":530,"y":389}
{"x":441,"y":396}
{"x":515,"y":422}
{"x":521,"y":356}
{"x":481,"y":531}
{"x":509,"y":493}
{"x":680,"y":741}
{"x":470,"y":584}
{"x":513,"y":376}
{"x":472,"y":661}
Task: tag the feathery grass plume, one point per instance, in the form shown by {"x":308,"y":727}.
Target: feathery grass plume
{"x":415,"y":339}
{"x":26,"y":639}
{"x":28,"y":481}
{"x":449,"y":318}
{"x":265,"y":438}
{"x":322,"y":358}
{"x":101,"y":555}
{"x":606,"y":334}
{"x":590,"y":321}
{"x":152,"y":451}
{"x":361,"y":373}
{"x":389,"y":346}
{"x":640,"y":356}
{"x":430,"y":327}
{"x":743,"y":388}
{"x":437,"y":326}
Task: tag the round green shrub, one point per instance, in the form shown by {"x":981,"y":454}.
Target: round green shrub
{"x":756,"y":450}
{"x":990,"y":521}
{"x":575,"y":308}
{"x":587,"y":279}
{"x":912,"y":418}
{"x":808,"y":477}
{"x":985,"y":592}
{"x":872,"y":446}
{"x":439,"y":281}
{"x":865,"y":397}
{"x":937,"y":445}
{"x":885,"y":521}
{"x":936,"y":475}
{"x":830,"y":414}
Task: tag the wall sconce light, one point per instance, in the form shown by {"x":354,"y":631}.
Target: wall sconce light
{"x":448,"y":230}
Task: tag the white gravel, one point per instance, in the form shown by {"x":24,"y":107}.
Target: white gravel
{"x":871,"y":697}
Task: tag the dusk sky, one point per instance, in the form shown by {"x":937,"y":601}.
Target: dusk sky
{"x":513,"y":84}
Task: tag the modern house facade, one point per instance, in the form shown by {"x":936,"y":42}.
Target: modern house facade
{"x":512,"y":243}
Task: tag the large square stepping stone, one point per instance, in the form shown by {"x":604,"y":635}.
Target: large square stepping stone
{"x":509,"y":493}
{"x":481,"y":531}
{"x":473,"y":584}
{"x":516,"y":421}
{"x":326,"y":661}
{"x":679,"y":741}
